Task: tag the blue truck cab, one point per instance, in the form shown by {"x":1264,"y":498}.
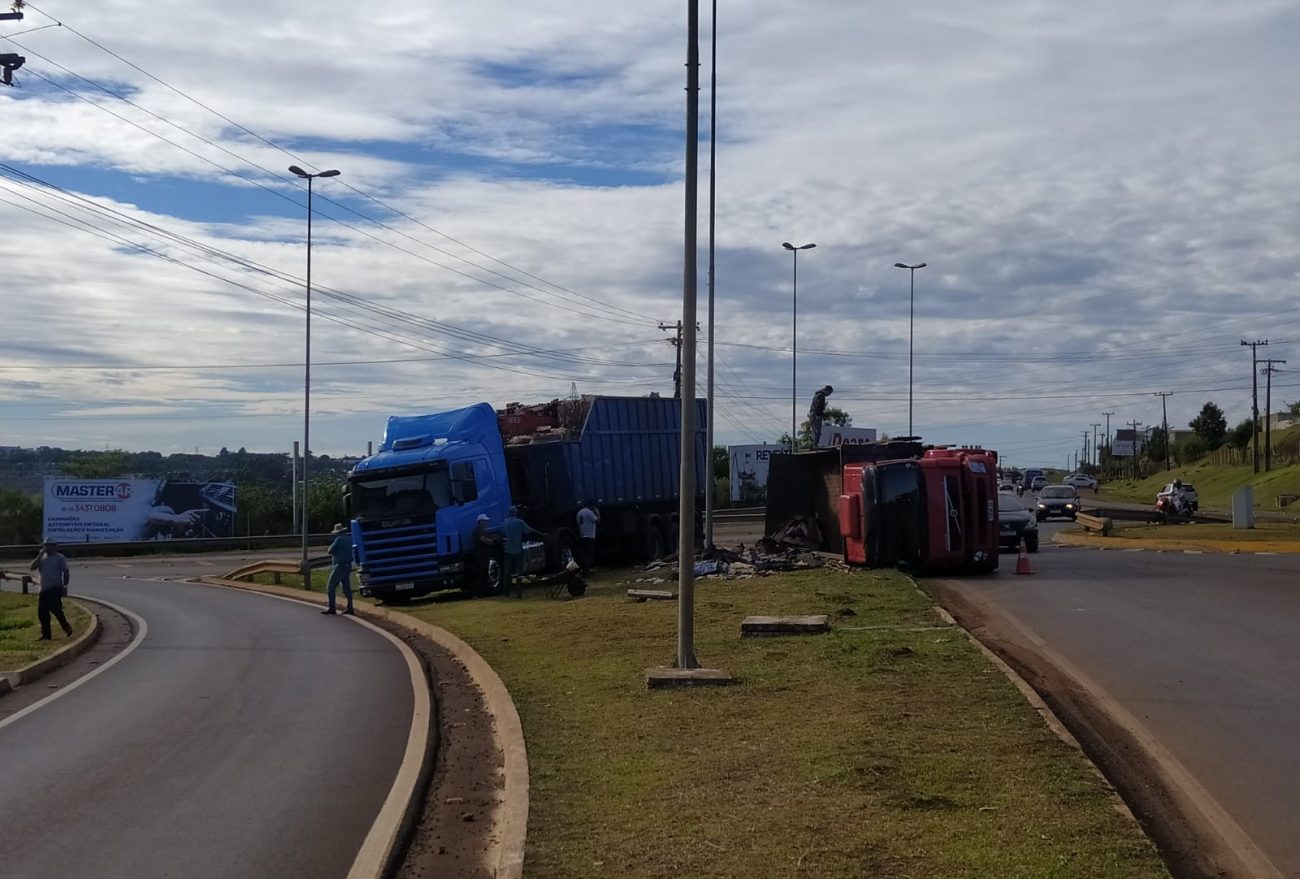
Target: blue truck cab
{"x":413,"y":504}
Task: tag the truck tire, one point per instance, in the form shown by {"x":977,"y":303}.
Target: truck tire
{"x":561,"y":547}
{"x":653,"y":545}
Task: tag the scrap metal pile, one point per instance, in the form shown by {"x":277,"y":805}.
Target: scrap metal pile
{"x":523,"y":424}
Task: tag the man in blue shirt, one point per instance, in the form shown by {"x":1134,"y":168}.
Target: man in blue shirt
{"x":341,"y":574}
{"x":514,"y":530}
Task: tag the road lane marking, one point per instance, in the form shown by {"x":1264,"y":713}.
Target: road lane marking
{"x":142,"y":630}
{"x":1193,"y":552}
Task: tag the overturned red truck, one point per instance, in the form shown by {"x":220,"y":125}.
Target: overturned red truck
{"x":890,"y":504}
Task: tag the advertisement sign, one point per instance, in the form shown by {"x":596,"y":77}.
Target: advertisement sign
{"x":845,"y":436}
{"x":113,"y":510}
{"x":749,"y":472}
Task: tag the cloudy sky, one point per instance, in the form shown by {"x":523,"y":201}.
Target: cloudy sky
{"x":1106,"y":197}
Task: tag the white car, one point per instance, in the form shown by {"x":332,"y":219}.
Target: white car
{"x":1081,"y":480}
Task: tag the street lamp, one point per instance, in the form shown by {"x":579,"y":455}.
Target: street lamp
{"x":911,"y":321}
{"x":306,"y":382}
{"x":794,"y":343}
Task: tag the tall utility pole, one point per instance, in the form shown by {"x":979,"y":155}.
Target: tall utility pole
{"x":1108,"y":415}
{"x":709,"y":487}
{"x":1254,"y":399}
{"x":676,"y":342}
{"x":1135,"y":448}
{"x":1268,"y":371}
{"x":686,"y":356}
{"x":1096,"y":455}
{"x":1084,"y":459}
{"x":1164,"y":422}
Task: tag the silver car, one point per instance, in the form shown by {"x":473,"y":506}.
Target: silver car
{"x":1059,"y":501}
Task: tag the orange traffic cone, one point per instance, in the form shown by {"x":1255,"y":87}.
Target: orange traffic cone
{"x":1022,"y":563}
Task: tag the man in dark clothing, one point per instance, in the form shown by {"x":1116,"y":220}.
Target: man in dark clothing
{"x":484,"y":544}
{"x":53,"y":567}
{"x":513,"y":530}
{"x":817,"y":413}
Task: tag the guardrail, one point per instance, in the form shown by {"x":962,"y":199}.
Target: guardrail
{"x":24,"y":576}
{"x":1099,"y":524}
{"x":178,"y":545}
{"x":277,"y":568}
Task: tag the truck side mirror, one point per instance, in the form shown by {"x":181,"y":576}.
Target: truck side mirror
{"x":347,"y":502}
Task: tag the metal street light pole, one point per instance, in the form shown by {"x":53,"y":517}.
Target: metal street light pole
{"x":709,"y":500}
{"x":794,"y":345}
{"x":306,"y":381}
{"x":911,"y":322}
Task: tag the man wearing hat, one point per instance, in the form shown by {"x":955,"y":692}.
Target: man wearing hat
{"x":341,"y":574}
{"x":513,"y":530}
{"x":53,"y":567}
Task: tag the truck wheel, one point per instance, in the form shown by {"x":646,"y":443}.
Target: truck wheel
{"x":654,"y":547}
{"x":561,"y":549}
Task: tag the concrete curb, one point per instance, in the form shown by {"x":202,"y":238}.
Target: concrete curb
{"x":511,"y":814}
{"x":58,"y":658}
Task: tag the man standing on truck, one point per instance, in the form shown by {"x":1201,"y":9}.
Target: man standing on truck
{"x":588,"y":519}
{"x":514,"y":530}
{"x":817,"y":413}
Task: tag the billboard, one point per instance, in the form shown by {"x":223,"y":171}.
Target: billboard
{"x":749,"y":471}
{"x":113,"y":510}
{"x":845,"y":436}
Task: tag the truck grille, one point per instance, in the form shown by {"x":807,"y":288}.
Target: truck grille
{"x":400,"y":552}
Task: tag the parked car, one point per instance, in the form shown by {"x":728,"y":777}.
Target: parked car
{"x":1189,"y":492}
{"x":1016,"y":522}
{"x":1057,"y":501}
{"x":1081,"y":480}
{"x":1038,"y":483}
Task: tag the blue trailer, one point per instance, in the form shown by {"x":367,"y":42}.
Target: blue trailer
{"x":414,"y":503}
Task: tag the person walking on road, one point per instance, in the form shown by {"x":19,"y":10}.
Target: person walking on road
{"x":817,"y":413}
{"x":588,"y":519}
{"x":53,"y":568}
{"x":514,"y":530}
{"x":341,"y":574}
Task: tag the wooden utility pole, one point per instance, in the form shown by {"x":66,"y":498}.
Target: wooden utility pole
{"x":676,"y":342}
{"x":1268,"y":371}
{"x":1096,"y":452}
{"x":1254,"y":399}
{"x":1164,"y":422}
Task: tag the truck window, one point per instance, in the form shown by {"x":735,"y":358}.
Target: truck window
{"x":412,"y":493}
{"x":900,"y":528}
{"x":952,"y":511}
{"x":464,"y":488}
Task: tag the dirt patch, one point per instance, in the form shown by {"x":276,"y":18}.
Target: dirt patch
{"x":1190,"y":849}
{"x":450,"y":835}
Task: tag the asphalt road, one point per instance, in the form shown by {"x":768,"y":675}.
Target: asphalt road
{"x":244,"y":736}
{"x":1200,"y":648}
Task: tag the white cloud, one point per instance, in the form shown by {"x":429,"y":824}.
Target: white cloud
{"x":1115,"y":181}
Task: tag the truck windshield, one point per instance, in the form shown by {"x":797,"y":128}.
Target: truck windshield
{"x":405,"y":494}
{"x":897,"y":514}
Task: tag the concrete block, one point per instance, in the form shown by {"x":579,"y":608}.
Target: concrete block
{"x":651,"y":595}
{"x":812,"y":624}
{"x":662,"y":678}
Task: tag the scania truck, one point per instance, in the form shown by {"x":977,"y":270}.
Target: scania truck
{"x":414,"y":503}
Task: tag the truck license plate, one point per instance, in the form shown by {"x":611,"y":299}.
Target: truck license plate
{"x":404,"y":586}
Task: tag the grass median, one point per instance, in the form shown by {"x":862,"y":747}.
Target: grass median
{"x":20,"y":629}
{"x":889,"y":748}
{"x":1206,"y":537}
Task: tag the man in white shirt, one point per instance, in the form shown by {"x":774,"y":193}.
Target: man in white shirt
{"x":588,"y":519}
